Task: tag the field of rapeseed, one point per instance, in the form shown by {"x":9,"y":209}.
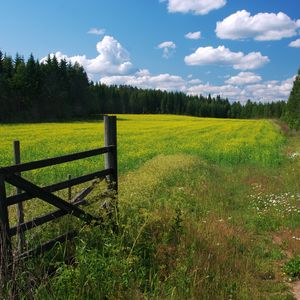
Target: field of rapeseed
{"x":142,"y":137}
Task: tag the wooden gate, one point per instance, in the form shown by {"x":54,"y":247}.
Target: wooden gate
{"x":13,"y":175}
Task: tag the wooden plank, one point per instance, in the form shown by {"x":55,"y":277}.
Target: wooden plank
{"x":52,"y":199}
{"x":41,"y":220}
{"x":80,"y":197}
{"x":60,"y":186}
{"x":48,"y":245}
{"x":54,"y":161}
{"x":38,"y":221}
{"x":78,"y":200}
{"x":20,"y":209}
{"x":5,"y":242}
{"x":110,"y":139}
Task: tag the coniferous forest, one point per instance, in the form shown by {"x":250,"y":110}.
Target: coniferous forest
{"x":31,"y":91}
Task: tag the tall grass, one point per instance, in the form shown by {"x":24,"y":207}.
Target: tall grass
{"x":180,"y":237}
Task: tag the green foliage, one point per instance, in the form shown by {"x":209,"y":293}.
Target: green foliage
{"x":292,"y":268}
{"x":293,"y":105}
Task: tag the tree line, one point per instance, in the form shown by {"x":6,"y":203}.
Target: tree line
{"x":58,"y":90}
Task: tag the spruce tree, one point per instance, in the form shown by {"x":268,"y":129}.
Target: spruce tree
{"x":293,"y":105}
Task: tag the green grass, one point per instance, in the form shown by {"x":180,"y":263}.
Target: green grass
{"x":208,"y":209}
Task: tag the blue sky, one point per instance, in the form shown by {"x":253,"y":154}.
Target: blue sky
{"x":239,"y":49}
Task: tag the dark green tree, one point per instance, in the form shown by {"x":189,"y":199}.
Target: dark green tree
{"x":293,"y":105}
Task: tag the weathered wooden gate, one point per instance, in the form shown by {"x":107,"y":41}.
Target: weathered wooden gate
{"x":13,"y":175}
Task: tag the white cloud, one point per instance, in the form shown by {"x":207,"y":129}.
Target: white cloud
{"x":143,"y":72}
{"x":197,"y":7}
{"x":270,"y":90}
{"x":226,"y":91}
{"x":261,"y":27}
{"x":112,"y":59}
{"x":143,"y":79}
{"x":194,"y":81}
{"x":168,"y":48}
{"x":235,"y":90}
{"x":253,"y":60}
{"x":193,"y":35}
{"x":96,"y":31}
{"x":244,"y":78}
{"x":295,"y":44}
{"x":168,"y":44}
{"x":225,"y":57}
{"x":267,"y":91}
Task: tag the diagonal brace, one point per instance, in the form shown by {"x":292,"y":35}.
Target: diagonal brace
{"x":52,"y":199}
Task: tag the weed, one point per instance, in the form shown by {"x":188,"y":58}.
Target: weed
{"x":292,"y":268}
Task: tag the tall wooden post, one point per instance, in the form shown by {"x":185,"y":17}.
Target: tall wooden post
{"x":20,"y":209}
{"x":110,"y":139}
{"x":5,"y":241}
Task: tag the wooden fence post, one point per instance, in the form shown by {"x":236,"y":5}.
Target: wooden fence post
{"x":110,"y":139}
{"x":5,"y":241}
{"x":20,"y":209}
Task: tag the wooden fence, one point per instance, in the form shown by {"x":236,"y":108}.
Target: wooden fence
{"x":27,"y":190}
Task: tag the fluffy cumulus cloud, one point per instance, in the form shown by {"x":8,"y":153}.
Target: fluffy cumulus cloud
{"x":193,"y":35}
{"x":143,"y":79}
{"x":244,"y":78}
{"x":113,"y":59}
{"x":168,"y":48}
{"x":225,"y":57}
{"x":267,"y":91}
{"x":270,"y":90}
{"x":261,"y":27}
{"x":197,"y":7}
{"x":96,"y":31}
{"x":295,"y":44}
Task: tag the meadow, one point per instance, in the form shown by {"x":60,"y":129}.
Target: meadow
{"x":208,"y":209}
{"x":142,"y":137}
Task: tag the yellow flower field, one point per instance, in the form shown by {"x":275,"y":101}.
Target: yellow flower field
{"x":142,"y":137}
